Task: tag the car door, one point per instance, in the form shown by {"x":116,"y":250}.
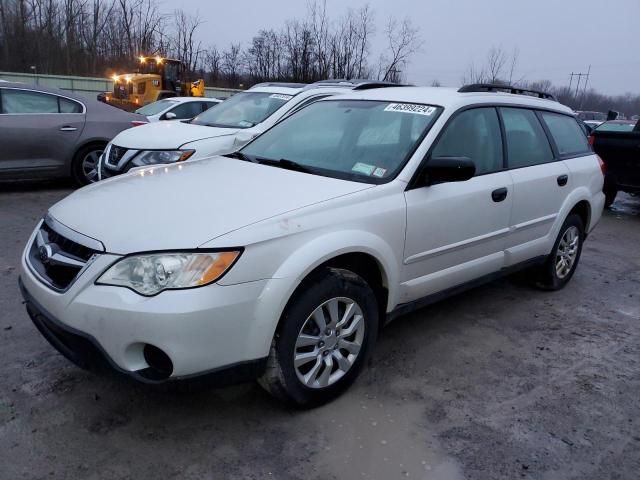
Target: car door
{"x":456,"y":231}
{"x":38,"y":130}
{"x":540,"y":184}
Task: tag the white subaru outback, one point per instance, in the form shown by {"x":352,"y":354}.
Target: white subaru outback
{"x":281,"y":262}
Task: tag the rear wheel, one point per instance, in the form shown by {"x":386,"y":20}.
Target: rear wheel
{"x":563,"y":260}
{"x":324,"y":338}
{"x":84,"y":168}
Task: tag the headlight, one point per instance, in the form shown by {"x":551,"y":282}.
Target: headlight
{"x":154,"y":157}
{"x":151,"y":274}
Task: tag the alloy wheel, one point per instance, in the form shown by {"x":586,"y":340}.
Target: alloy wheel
{"x":329,"y":342}
{"x":567,"y":251}
{"x":90,"y":165}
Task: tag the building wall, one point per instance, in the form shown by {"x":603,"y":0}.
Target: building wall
{"x":86,"y":86}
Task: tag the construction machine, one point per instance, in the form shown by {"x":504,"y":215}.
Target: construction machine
{"x":156,"y":78}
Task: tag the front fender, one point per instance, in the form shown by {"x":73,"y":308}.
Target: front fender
{"x":309,"y":256}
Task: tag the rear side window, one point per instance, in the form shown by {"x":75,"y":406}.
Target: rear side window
{"x":474,"y":134}
{"x":566,"y":133}
{"x":527,"y":144}
{"x":23,"y":101}
{"x":69,"y":106}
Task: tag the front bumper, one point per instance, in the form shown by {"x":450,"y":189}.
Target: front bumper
{"x":218,"y":331}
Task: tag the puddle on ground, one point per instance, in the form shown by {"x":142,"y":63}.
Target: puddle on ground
{"x":373,"y":440}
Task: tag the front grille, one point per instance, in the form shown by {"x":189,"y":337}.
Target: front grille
{"x":56,"y":259}
{"x":115,"y":155}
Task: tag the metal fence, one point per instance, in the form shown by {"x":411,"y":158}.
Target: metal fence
{"x":87,"y":86}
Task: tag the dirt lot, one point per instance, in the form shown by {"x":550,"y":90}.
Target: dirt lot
{"x":501,"y":382}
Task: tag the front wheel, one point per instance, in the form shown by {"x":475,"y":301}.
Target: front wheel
{"x":84,"y":168}
{"x":562,"y":262}
{"x":323,"y":340}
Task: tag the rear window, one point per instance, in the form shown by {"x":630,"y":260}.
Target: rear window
{"x":615,"y":127}
{"x":567,"y":134}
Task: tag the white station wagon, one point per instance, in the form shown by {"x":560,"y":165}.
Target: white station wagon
{"x":281,"y":261}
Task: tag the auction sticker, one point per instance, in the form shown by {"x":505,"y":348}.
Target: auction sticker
{"x":280,"y":96}
{"x":364,"y":168}
{"x":414,"y":108}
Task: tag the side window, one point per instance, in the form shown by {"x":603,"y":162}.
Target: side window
{"x":69,"y":106}
{"x":474,"y":134}
{"x":207,"y":105}
{"x":567,"y":134}
{"x":142,"y":86}
{"x":527,"y":144}
{"x":187,"y":110}
{"x":24,"y":101}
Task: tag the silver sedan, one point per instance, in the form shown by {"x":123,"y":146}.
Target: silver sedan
{"x":50,"y":133}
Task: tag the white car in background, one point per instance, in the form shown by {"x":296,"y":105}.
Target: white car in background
{"x":280,"y":261}
{"x":177,"y":108}
{"x":224,"y":129}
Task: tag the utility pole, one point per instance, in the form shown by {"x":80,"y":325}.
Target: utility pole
{"x":579,"y":77}
{"x":584,"y":89}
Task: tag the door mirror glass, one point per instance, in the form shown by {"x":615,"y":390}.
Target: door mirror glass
{"x":448,"y":169}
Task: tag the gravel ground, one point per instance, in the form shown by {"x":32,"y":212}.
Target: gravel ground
{"x":500,"y":382}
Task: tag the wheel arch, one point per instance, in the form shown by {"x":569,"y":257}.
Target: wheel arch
{"x":583,"y":210}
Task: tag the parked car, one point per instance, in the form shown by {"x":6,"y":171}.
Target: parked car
{"x":49,"y":133}
{"x":177,"y":108}
{"x":281,"y":261}
{"x":617,"y":142}
{"x":224,"y":129}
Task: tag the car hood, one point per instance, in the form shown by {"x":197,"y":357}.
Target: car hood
{"x":183,"y":206}
{"x":167,"y":135}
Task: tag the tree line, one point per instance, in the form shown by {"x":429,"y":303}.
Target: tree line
{"x":102,"y":37}
{"x":99,"y":37}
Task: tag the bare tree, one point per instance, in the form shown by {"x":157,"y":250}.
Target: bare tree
{"x":184,"y":45}
{"x":231,"y":64}
{"x":403,"y":40}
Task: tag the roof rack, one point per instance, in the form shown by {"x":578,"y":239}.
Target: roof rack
{"x":280,"y":84}
{"x":492,"y":87}
{"x":355,"y":84}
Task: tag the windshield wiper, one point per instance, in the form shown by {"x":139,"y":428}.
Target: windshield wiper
{"x":286,"y":164}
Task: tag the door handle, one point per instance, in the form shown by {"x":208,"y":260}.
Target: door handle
{"x":66,"y":128}
{"x":562,"y":180}
{"x":499,"y":194}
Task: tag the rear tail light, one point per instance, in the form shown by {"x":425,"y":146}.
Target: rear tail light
{"x":590,"y":139}
{"x":603,"y":166}
{"x":137,"y":123}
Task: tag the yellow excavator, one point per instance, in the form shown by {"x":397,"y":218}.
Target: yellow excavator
{"x":156,"y":78}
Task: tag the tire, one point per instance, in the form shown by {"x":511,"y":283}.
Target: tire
{"x":299,"y":334}
{"x":81,"y":170}
{"x":554,"y":275}
{"x":609,"y":197}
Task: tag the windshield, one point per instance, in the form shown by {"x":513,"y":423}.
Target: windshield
{"x":243,"y":110}
{"x":359,"y":140}
{"x":616,"y":127}
{"x":156,"y":107}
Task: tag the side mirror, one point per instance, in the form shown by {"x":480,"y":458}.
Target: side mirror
{"x":448,"y":169}
{"x":170,"y":116}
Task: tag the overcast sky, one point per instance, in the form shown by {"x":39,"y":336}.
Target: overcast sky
{"x":554,"y":37}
